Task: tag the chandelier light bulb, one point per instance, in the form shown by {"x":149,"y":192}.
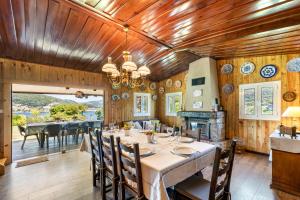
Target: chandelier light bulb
{"x":109,"y":66}
{"x":144,"y":70}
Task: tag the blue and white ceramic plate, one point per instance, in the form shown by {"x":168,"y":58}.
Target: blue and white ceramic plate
{"x":293,"y":65}
{"x":115,"y":97}
{"x":228,"y":88}
{"x":227,"y":69}
{"x":247,"y":68}
{"x":125,"y":95}
{"x":268,"y":71}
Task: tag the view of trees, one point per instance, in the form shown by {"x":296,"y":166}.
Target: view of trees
{"x":68,"y":112}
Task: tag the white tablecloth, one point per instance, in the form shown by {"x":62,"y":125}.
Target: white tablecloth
{"x":164,"y":169}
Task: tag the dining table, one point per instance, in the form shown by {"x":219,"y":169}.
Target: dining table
{"x":163,"y":168}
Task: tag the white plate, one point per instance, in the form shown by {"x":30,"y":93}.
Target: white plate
{"x":145,"y":151}
{"x":163,"y":135}
{"x":181,"y":150}
{"x":185,"y":140}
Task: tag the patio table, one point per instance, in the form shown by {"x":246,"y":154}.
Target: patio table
{"x":164,"y":169}
{"x":40,"y":127}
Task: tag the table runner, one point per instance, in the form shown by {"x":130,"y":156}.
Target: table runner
{"x":164,"y":169}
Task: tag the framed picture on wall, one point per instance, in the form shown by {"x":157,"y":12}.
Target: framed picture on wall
{"x":260,"y":101}
{"x":142,"y":104}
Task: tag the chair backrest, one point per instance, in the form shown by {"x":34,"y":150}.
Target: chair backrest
{"x":107,"y":146}
{"x":53,"y":129}
{"x":222,"y":170}
{"x":130,"y":168}
{"x":22,"y":130}
{"x":95,"y":149}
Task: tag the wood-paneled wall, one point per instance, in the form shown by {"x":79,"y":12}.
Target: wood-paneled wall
{"x":161,"y":107}
{"x":254,"y":133}
{"x":12,"y":71}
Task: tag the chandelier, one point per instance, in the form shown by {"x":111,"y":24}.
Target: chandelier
{"x":128,"y":74}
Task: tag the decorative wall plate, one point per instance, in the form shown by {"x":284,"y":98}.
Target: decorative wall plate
{"x":268,"y":71}
{"x":152,"y":86}
{"x":226,"y":69}
{"x":161,"y":90}
{"x":177,"y":84}
{"x":154,"y":97}
{"x":247,"y":68}
{"x":143,"y":87}
{"x":169,"y":83}
{"x":115,"y":87}
{"x":115,"y":97}
{"x":125,"y":95}
{"x":289,"y":96}
{"x":293,"y":65}
{"x":227,"y":88}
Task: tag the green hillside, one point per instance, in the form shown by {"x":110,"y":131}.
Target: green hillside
{"x":36,"y":100}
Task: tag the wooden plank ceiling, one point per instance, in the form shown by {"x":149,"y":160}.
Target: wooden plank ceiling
{"x":165,"y":35}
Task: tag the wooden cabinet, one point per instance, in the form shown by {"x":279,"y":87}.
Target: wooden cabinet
{"x":285,"y":164}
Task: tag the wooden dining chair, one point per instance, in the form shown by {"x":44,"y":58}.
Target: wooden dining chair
{"x":129,"y":165}
{"x":196,"y":188}
{"x":196,"y":134}
{"x":95,"y":152}
{"x":108,"y":172}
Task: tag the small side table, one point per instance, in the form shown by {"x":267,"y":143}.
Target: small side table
{"x":285,"y":163}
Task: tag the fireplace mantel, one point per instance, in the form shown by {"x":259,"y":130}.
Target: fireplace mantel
{"x":201,"y":114}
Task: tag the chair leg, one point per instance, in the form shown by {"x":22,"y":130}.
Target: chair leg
{"x":115,"y":189}
{"x":37,"y":137}
{"x":47,"y":141}
{"x":121,"y":191}
{"x":25,"y":137}
{"x":103,"y":184}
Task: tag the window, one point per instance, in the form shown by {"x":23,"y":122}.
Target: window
{"x":142,"y":104}
{"x":173,"y":103}
{"x":260,"y":101}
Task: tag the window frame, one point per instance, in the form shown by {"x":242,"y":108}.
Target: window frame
{"x":258,"y":113}
{"x":141,"y":114}
{"x":167,"y":106}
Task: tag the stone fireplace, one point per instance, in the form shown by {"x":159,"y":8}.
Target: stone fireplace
{"x":211,"y":124}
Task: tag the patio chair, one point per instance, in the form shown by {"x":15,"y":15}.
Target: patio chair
{"x":73,"y":129}
{"x":53,"y":130}
{"x":25,"y":133}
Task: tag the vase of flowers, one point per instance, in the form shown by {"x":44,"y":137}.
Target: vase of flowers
{"x":150,"y":136}
{"x":127,"y":130}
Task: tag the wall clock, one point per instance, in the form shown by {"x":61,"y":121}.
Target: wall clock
{"x":152,"y":86}
{"x":293,"y":65}
{"x":268,"y":71}
{"x":169,"y":83}
{"x":226,"y":69}
{"x":247,"y":68}
{"x":289,"y":96}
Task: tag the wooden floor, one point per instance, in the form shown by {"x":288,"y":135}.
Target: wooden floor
{"x":68,"y":177}
{"x":32,"y":148}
